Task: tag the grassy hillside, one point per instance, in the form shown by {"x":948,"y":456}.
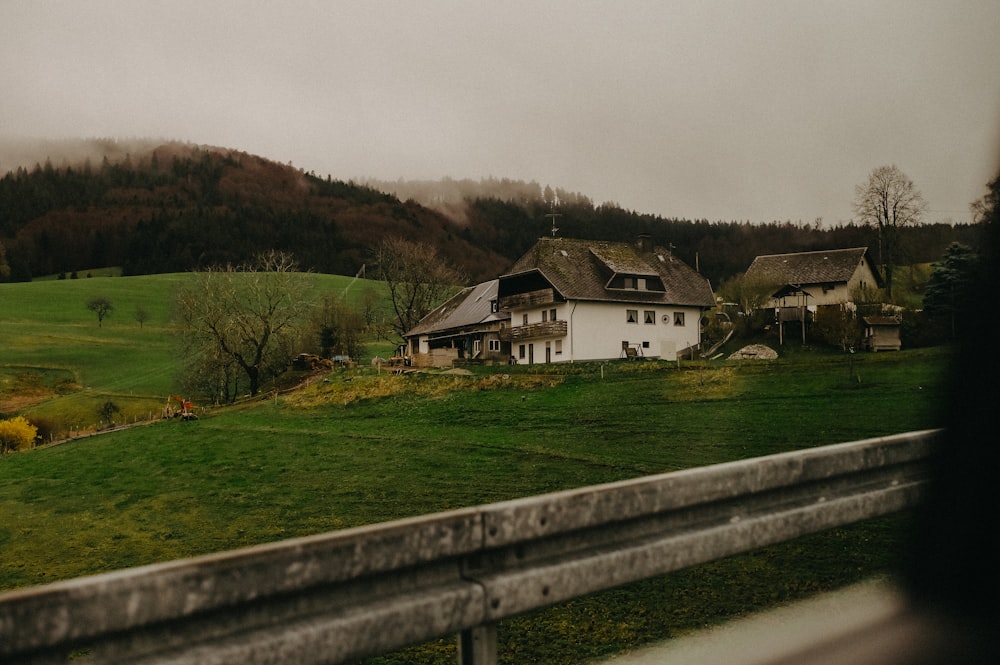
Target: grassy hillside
{"x":59,"y":366}
{"x":366,"y":447}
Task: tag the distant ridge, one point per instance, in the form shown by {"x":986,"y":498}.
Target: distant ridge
{"x":165,"y":206}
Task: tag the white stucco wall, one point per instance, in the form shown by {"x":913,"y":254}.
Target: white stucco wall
{"x":595,"y":331}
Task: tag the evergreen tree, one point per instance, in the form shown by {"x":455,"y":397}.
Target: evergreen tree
{"x":949,"y":290}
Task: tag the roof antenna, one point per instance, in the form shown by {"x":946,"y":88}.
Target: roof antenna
{"x":553,"y":215}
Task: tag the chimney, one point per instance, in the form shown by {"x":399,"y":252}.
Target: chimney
{"x":645,"y":243}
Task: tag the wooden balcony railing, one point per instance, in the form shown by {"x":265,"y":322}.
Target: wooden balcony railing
{"x":534,"y":331}
{"x":528,"y":299}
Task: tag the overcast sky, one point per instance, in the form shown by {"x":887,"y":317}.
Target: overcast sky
{"x":737,"y":110}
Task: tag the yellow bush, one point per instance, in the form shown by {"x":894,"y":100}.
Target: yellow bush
{"x":16,"y":434}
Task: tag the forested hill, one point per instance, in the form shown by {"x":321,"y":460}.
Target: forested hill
{"x":175,"y":207}
{"x":179,"y":206}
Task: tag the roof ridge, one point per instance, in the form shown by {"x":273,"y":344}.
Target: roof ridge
{"x":817,"y":251}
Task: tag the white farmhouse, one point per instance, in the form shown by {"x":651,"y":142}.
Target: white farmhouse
{"x":575,"y":300}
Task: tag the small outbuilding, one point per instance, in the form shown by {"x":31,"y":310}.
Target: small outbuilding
{"x":881,"y":333}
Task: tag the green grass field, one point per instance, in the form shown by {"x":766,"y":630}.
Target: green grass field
{"x":363,"y":447}
{"x":59,"y":366}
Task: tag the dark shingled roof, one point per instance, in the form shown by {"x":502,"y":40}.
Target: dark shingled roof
{"x":468,"y":307}
{"x":829,"y":266}
{"x":583,"y":269}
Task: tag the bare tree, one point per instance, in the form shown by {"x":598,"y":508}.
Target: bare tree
{"x":985,"y":209}
{"x":246,"y":315}
{"x":337,"y":327}
{"x":101,"y":306}
{"x":417,"y":277}
{"x":888,"y":201}
{"x":140,"y":314}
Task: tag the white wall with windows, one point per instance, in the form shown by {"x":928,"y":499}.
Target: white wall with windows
{"x":596,"y":331}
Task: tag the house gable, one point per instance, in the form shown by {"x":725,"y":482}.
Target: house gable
{"x":821,"y":267}
{"x":821,"y":277}
{"x":593,"y":300}
{"x":608,"y":271}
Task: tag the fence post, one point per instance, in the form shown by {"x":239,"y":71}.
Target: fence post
{"x":478,"y":646}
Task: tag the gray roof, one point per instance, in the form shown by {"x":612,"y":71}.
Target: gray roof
{"x":470,"y":306}
{"x":881,"y":320}
{"x":822,"y":267}
{"x":584,"y":270}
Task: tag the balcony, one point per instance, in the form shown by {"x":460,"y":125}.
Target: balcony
{"x":534,"y":331}
{"x":528,"y":299}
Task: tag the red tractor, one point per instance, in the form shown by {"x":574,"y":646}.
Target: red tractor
{"x":186,"y":410}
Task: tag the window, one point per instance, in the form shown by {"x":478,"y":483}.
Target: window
{"x":552,"y":315}
{"x":631,"y":316}
{"x":678,"y":318}
{"x":477,"y":346}
{"x":524,"y":319}
{"x":629,"y":283}
{"x":640,"y":283}
{"x":494,"y":345}
{"x":649,"y":316}
{"x":520,"y":351}
{"x":558,"y":346}
{"x":545,"y":315}
{"x":645,"y":345}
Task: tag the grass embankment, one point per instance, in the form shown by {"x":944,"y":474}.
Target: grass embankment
{"x":58,"y":366}
{"x":362,"y":448}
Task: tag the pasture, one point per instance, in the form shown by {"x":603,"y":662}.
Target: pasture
{"x":361,"y":447}
{"x":58,"y":366}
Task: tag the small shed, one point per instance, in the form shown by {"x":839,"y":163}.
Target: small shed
{"x":881,"y":333}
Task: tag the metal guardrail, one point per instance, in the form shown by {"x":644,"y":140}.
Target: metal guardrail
{"x":346,"y":595}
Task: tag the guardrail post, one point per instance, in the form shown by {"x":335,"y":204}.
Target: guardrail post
{"x":478,"y":646}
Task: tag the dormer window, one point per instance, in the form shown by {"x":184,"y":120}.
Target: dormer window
{"x":635,"y":283}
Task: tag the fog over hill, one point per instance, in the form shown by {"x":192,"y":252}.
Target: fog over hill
{"x":26,"y":153}
{"x":163,"y":207}
{"x":152,"y":206}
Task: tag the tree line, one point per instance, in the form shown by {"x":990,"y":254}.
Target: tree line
{"x":180,"y":207}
